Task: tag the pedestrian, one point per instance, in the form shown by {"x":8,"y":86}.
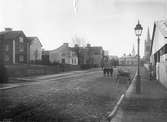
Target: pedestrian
{"x":104,"y":71}
{"x":111,"y":71}
{"x":108,"y":71}
{"x":115,"y":74}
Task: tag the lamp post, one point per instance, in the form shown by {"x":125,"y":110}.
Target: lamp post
{"x":138,"y":32}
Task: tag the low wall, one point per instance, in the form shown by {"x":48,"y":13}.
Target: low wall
{"x":162,"y":73}
{"x":22,"y":70}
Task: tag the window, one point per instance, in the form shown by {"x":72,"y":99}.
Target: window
{"x":21,"y":44}
{"x":74,"y":61}
{"x":21,"y":58}
{"x":63,"y":61}
{"x":7,"y":47}
{"x":97,"y":53}
{"x":21,"y":40}
{"x":63,"y":54}
{"x":21,"y":47}
{"x":6,"y":58}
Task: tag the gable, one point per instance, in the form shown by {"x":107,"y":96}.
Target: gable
{"x":11,"y":35}
{"x":158,"y":40}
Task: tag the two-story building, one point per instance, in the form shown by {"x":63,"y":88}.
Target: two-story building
{"x":35,"y":49}
{"x":91,"y":55}
{"x":15,"y":46}
{"x":64,"y":55}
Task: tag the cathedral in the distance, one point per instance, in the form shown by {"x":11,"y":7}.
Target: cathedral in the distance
{"x":130,"y":59}
{"x":147,"y":47}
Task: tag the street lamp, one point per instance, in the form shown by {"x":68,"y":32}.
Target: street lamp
{"x":138,"y":32}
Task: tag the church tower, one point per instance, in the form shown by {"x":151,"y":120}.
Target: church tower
{"x":147,"y":47}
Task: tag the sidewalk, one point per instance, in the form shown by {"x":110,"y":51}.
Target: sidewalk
{"x":149,"y":106}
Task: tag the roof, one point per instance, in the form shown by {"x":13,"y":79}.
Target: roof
{"x":11,"y":34}
{"x":162,"y":27}
{"x":30,"y":39}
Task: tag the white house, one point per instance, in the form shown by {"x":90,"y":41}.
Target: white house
{"x":64,"y":54}
{"x":159,"y":51}
{"x":35,"y":49}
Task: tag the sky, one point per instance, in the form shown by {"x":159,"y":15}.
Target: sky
{"x":106,"y":23}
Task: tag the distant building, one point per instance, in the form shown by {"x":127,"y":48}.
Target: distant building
{"x":45,"y":57}
{"x":147,"y":48}
{"x":97,"y":54}
{"x":106,"y":53}
{"x":35,"y":49}
{"x":64,"y":54}
{"x":15,"y":46}
{"x":158,"y":52}
{"x":130,"y":59}
{"x":91,"y":55}
{"x":113,"y":57}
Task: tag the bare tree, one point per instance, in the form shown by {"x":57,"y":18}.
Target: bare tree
{"x":79,"y":41}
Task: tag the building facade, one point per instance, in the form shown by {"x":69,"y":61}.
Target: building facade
{"x":91,"y":55}
{"x":131,"y":59}
{"x":64,"y":55}
{"x":15,"y":47}
{"x":45,"y":57}
{"x":158,"y":57}
{"x":35,"y":49}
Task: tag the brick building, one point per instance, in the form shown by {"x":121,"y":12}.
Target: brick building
{"x":91,"y":55}
{"x":15,"y":47}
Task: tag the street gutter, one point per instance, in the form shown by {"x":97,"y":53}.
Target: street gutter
{"x":116,"y":107}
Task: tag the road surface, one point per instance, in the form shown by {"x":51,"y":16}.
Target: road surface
{"x":80,"y":96}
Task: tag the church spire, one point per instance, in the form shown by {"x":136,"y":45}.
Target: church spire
{"x":148,"y":35}
{"x":133,"y":51}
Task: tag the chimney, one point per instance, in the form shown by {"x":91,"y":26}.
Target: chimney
{"x":88,"y":45}
{"x":66,"y":44}
{"x":8,"y":29}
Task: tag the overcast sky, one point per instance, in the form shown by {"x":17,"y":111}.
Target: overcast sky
{"x":107,"y":23}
